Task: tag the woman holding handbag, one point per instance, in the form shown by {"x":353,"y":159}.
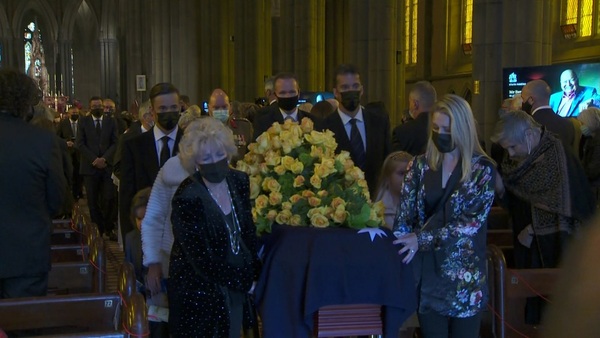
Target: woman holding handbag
{"x":441,"y":222}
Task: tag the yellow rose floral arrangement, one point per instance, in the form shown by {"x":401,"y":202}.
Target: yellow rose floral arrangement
{"x":297,"y":179}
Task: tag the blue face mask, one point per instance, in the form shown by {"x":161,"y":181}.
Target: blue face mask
{"x":221,"y":115}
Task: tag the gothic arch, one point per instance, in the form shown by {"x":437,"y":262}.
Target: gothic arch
{"x":42,"y":8}
{"x":71,"y":15}
{"x":108,"y":21}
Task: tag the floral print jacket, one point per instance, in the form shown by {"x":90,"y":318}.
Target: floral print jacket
{"x":450,"y":265}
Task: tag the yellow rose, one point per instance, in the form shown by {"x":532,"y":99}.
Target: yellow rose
{"x":379,"y":208}
{"x":307,"y":125}
{"x":319,"y":210}
{"x":337,"y":202}
{"x":296,"y":131}
{"x":275,"y":198}
{"x":279,"y":170}
{"x":342,"y":157}
{"x":263,"y":168}
{"x":263,"y":143}
{"x":354,"y":174}
{"x":271,"y":184}
{"x":314,"y":201}
{"x":362,"y":183}
{"x":286,"y":206}
{"x":297,"y":167}
{"x":315,"y":137}
{"x":322,"y":193}
{"x":271,"y":215}
{"x":287,"y":162}
{"x":315,"y":180}
{"x":296,"y":220}
{"x":275,"y":142}
{"x":316,"y":151}
{"x":260,"y":203}
{"x":272,"y":158}
{"x":254,"y":186}
{"x":254,"y":215}
{"x":254,"y":170}
{"x":274,"y":129}
{"x":349,"y":164}
{"x":287,"y":124}
{"x":295,"y":198}
{"x":243,"y":166}
{"x":251,"y":149}
{"x":307,"y":193}
{"x":299,"y":181}
{"x":286,"y":147}
{"x":319,"y":221}
{"x":329,"y":141}
{"x":339,"y":215}
{"x":283,"y":217}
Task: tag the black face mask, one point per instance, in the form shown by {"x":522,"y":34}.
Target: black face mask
{"x":214,"y":172}
{"x":443,"y":142}
{"x":526,"y":106}
{"x":74,"y":117}
{"x":287,"y":103}
{"x":97,"y":113}
{"x":350,"y":99}
{"x":109,"y":113}
{"x":168,"y":120}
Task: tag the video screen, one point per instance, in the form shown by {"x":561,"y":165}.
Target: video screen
{"x":574,"y":87}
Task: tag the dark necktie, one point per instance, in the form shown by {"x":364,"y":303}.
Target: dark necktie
{"x":165,"y":152}
{"x":356,"y":145}
{"x":98,"y":128}
{"x":74,"y":127}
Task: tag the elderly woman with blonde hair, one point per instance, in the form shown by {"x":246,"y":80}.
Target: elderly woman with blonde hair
{"x":213,"y":261}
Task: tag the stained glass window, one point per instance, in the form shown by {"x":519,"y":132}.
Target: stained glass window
{"x":28,"y":35}
{"x":583,"y":14}
{"x":410,"y":35}
{"x":467,"y":27}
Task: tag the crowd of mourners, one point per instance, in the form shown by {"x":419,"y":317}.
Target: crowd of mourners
{"x":160,"y":180}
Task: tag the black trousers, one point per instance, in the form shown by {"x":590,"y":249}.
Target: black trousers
{"x":101,"y":193}
{"x":77,"y":188}
{"x":26,"y":286}
{"x":434,"y":325}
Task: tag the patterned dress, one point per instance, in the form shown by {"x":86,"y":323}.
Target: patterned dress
{"x":450,"y":262}
{"x":204,"y":279}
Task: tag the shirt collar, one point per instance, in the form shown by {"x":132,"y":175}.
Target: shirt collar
{"x":294,"y":115}
{"x":538,"y":108}
{"x":158,"y":134}
{"x":346,"y":118}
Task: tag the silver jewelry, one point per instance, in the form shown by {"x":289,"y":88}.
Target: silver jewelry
{"x":233,"y":230}
{"x":412,"y":251}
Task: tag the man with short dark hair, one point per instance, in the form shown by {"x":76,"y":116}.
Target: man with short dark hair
{"x":287,"y":93}
{"x":144,"y":154}
{"x":97,"y":143}
{"x":412,"y":136}
{"x":365,"y":134}
{"x":33,"y":190}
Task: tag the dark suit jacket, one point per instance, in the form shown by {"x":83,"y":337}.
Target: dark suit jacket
{"x":557,"y":125}
{"x":377,"y":130}
{"x":412,"y":136}
{"x":92,"y":147}
{"x":133,"y":253}
{"x":583,"y":94}
{"x":266,"y":109}
{"x":65,"y":130}
{"x":139,"y":167}
{"x":264,"y":122}
{"x":134,"y":130}
{"x":33,"y":188}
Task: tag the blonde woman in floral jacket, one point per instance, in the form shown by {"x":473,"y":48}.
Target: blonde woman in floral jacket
{"x":441,"y":223}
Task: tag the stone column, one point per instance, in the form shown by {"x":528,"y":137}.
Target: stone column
{"x":505,"y":26}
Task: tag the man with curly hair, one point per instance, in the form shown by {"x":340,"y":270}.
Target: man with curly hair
{"x":33,"y":189}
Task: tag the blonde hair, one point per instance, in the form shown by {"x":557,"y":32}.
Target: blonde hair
{"x":389,"y":165}
{"x":590,"y":117}
{"x":192,"y":113}
{"x":200,"y":132}
{"x":462,"y":131}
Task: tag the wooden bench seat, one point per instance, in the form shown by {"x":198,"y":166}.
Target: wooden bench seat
{"x":79,"y":315}
{"x":348,"y":320}
{"x":80,"y":275}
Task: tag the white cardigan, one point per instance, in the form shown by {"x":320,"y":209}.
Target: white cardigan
{"x":157,"y":232}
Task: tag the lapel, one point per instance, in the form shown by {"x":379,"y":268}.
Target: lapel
{"x":370,"y":133}
{"x":337,"y":127}
{"x":275,"y":117}
{"x":148,"y":151}
{"x":177,"y":139}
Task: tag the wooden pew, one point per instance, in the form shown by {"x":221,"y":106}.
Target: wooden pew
{"x":80,"y":315}
{"x":509,"y":290}
{"x":80,"y":276}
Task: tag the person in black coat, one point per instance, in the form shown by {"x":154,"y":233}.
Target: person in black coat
{"x":143,"y":155}
{"x":97,"y":142}
{"x":535,"y":96}
{"x":67,"y":130}
{"x":412,"y":135}
{"x":371,"y":141}
{"x":33,"y":189}
{"x":287,"y":92}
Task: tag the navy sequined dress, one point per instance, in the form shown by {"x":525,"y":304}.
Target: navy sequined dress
{"x":203,"y":276}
